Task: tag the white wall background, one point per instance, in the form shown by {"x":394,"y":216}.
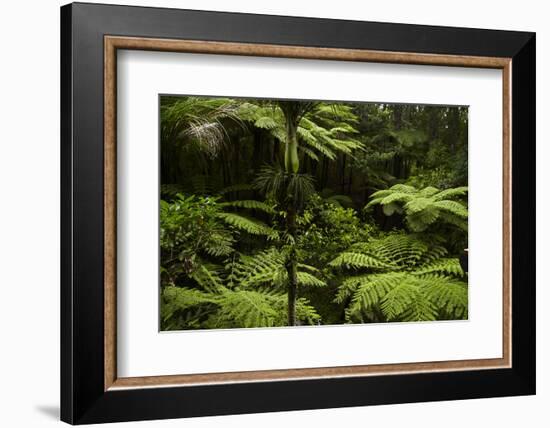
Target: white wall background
{"x":29,"y":214}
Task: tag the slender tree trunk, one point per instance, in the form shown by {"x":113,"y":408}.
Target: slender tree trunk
{"x":292,"y":166}
{"x":293,"y":112}
{"x":292,"y":162}
{"x":292,"y":268}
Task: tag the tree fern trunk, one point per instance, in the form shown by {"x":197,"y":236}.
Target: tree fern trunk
{"x":292,"y":162}
{"x":292,"y":267}
{"x":292,"y":286}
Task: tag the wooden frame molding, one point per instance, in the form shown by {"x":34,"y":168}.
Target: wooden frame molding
{"x":113,"y":43}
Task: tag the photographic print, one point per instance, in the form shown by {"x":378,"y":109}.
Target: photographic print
{"x":277,"y":212}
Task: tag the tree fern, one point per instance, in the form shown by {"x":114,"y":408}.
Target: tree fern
{"x":401,"y":278}
{"x":249,"y":291}
{"x":199,"y":121}
{"x":424,"y":207}
{"x":321,"y":130}
{"x":234,"y":308}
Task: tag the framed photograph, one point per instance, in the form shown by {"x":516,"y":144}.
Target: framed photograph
{"x":265,"y":213}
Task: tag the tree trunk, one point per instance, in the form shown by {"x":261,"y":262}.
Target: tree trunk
{"x":292,"y":268}
{"x":292,"y":162}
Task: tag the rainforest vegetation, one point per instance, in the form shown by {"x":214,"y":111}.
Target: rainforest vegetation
{"x":283,"y":213}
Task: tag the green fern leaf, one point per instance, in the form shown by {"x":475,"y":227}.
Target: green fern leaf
{"x":358,"y":260}
{"x":420,"y":309}
{"x":451,"y":193}
{"x":244,"y":309}
{"x":448,"y":294}
{"x":252,"y":226}
{"x":423,"y":207}
{"x":450,"y":266}
{"x":370,"y":290}
{"x":452,"y":207}
{"x":399,"y":299}
{"x":208,"y":278}
{"x":307,"y":279}
{"x":417,"y":205}
{"x":179,"y":298}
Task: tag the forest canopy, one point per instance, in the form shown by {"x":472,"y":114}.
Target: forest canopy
{"x":283,"y":213}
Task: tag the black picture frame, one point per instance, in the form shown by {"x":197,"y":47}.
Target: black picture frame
{"x":83,"y":398}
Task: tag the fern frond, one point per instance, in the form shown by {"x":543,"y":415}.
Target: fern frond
{"x":306,"y":313}
{"x":314,"y":143}
{"x":448,"y":294}
{"x":348,"y":286}
{"x":308,"y":152}
{"x":451,"y":193}
{"x":179,"y":298}
{"x":399,"y":299}
{"x":461,"y":223}
{"x":219,"y":244}
{"x":308,"y":268}
{"x":252,"y":226}
{"x":428,"y":191}
{"x":392,"y":208}
{"x":402,"y":250}
{"x":387,"y":197}
{"x":266,"y":122}
{"x":420,"y":309}
{"x":371,"y":289}
{"x":358,"y":260}
{"x":262,"y":268}
{"x":258,"y":308}
{"x":417,"y":205}
{"x":403,"y":188}
{"x":450,"y":266}
{"x":423,"y":207}
{"x":397,"y":197}
{"x":421,"y":220}
{"x":452,"y":207}
{"x":244,"y":308}
{"x":309,"y":280}
{"x":419,"y":283}
{"x":208,"y":277}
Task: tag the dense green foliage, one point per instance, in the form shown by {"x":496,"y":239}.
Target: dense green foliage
{"x":278,"y":213}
